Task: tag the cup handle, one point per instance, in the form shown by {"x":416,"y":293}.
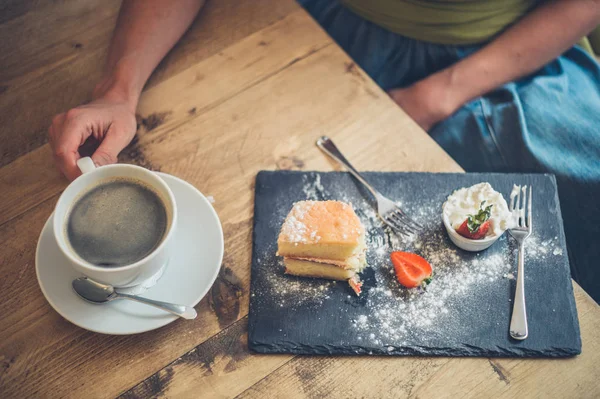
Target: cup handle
{"x":86,"y":164}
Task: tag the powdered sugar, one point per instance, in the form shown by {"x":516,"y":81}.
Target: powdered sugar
{"x":313,"y":189}
{"x":293,"y":229}
{"x":393,"y":312}
{"x":291,"y":291}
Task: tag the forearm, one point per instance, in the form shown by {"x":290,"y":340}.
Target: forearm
{"x":538,"y":38}
{"x":146,"y":30}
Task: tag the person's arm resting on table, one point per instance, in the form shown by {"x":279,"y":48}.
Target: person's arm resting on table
{"x":146,"y":30}
{"x":541,"y":36}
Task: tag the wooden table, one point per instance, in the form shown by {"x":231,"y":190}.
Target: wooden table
{"x":250,"y":87}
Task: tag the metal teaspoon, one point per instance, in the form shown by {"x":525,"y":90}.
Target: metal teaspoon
{"x":95,"y":292}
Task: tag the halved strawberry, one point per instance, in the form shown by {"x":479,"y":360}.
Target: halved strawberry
{"x":411,"y":269}
{"x":475,"y":227}
{"x":479,"y":233}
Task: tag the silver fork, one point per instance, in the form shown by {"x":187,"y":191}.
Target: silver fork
{"x":387,"y":210}
{"x":522,"y":210}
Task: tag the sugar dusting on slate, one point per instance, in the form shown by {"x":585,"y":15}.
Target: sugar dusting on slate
{"x":291,"y":291}
{"x":391,"y":312}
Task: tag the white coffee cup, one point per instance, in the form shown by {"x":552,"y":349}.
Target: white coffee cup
{"x":120,"y":276}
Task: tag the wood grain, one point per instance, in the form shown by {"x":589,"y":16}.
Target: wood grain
{"x":250,"y":87}
{"x":53,"y":56}
{"x":51,"y":60}
{"x":10,"y":9}
{"x":27,"y":182}
{"x":48,"y":35}
{"x":220,"y":367}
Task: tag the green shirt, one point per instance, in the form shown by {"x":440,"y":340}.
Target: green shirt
{"x":443,"y":21}
{"x":450,"y":21}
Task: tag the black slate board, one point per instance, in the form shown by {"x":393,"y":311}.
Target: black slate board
{"x":310,"y":316}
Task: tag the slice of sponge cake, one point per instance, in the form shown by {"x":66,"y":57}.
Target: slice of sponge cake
{"x":321,"y":229}
{"x":323,"y":239}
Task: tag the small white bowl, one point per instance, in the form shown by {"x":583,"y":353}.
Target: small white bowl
{"x":466,"y":243}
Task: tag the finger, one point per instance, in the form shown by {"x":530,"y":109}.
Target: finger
{"x":55,"y":127}
{"x":114,"y":141}
{"x":66,"y":160}
{"x":66,"y":145}
{"x":58,"y":120}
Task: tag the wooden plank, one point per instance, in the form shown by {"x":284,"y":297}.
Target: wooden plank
{"x":443,"y":377}
{"x":174,"y":103}
{"x":51,"y":33}
{"x":22,"y":302}
{"x":43,"y":33}
{"x":347,"y":377}
{"x":10,"y":9}
{"x":220,"y":367}
{"x":221,"y":23}
{"x":30,"y":180}
{"x":54,"y":55}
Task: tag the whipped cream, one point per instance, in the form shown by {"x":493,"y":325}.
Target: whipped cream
{"x":467,"y":201}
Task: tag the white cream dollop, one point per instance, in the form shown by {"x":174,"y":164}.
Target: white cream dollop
{"x":467,"y":201}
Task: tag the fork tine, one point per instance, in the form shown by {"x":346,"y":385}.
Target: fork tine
{"x":518,"y":207}
{"x":399,"y":219}
{"x":396,"y":218}
{"x":406,"y":220}
{"x":396,"y":229}
{"x":523,"y":207}
{"x":394,"y":226}
{"x":400,"y":228}
{"x":529,"y":208}
{"x":414,"y":226}
{"x":412,"y":222}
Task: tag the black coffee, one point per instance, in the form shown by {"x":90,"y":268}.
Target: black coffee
{"x":117,"y":223}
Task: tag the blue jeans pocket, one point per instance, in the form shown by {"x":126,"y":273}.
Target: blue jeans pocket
{"x":468,"y":137}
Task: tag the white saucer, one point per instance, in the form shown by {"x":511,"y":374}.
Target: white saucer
{"x":194,"y":265}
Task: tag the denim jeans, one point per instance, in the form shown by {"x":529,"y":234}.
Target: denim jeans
{"x":547,"y":122}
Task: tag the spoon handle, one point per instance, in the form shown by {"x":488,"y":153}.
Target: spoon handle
{"x":327,"y":146}
{"x":187,"y":312}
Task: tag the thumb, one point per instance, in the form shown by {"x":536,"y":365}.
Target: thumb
{"x":110,"y":147}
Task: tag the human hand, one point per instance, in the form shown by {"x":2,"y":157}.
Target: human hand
{"x":110,"y":121}
{"x":427,"y":102}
